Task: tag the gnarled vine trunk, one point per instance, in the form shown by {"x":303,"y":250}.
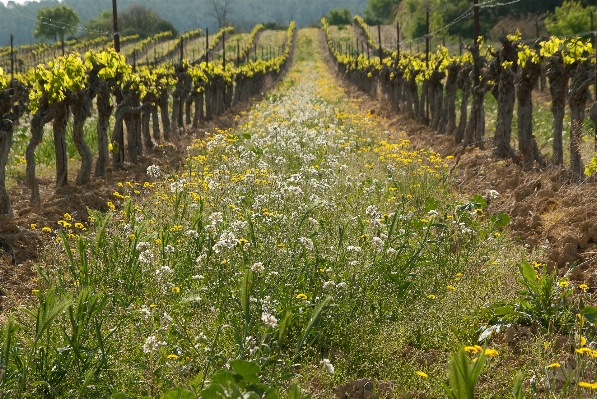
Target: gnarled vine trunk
{"x":59,"y":130}
{"x":578,"y":93}
{"x":6,"y":132}
{"x":527,"y":144}
{"x":104,"y":110}
{"x":505,"y":93}
{"x":558,"y":76}
{"x":447,"y":122}
{"x":81,"y":108}
{"x":465,"y":84}
{"x":44,"y":114}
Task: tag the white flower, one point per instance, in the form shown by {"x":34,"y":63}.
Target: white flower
{"x":307,"y":242}
{"x":227,"y":240}
{"x":329,"y":367}
{"x":257,"y":267}
{"x":341,"y":285}
{"x":151,"y":344}
{"x":154,"y":171}
{"x":493,"y":194}
{"x":269,"y":319}
{"x":354,"y":249}
{"x":146,"y":257}
{"x":378,"y":243}
{"x":177,"y":186}
{"x":169,"y":249}
{"x":142,"y":246}
{"x":328,"y":283}
{"x":192,"y":233}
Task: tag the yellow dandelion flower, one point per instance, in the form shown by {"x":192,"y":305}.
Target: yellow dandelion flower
{"x":301,"y":296}
{"x":554,"y":365}
{"x":46,"y":229}
{"x":33,"y":226}
{"x":431,"y":296}
{"x":564,"y":284}
{"x":451,"y":288}
{"x":491,"y":352}
{"x":172,"y":356}
{"x":583,"y":287}
{"x":176,"y":290}
{"x":422,"y":374}
{"x":68,"y":217}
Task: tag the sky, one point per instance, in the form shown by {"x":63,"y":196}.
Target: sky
{"x":16,"y":1}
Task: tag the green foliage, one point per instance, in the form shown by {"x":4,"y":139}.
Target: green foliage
{"x":101,"y":23}
{"x":339,"y":17}
{"x":378,"y":11}
{"x":463,"y":375}
{"x":54,"y":23}
{"x":544,"y":300}
{"x":143,"y":21}
{"x":569,"y":19}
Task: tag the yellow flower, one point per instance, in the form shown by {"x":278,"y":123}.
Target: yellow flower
{"x":491,"y":352}
{"x":33,"y":226}
{"x":564,"y":284}
{"x":422,"y":374}
{"x":583,"y":384}
{"x":110,"y":205}
{"x":176,"y":290}
{"x":172,"y":356}
{"x":451,"y":287}
{"x":431,"y":296}
{"x":68,"y":217}
{"x":473,"y":349}
{"x":583,"y":287}
{"x":79,"y":225}
{"x":46,"y":229}
{"x":554,"y":365}
{"x":301,"y":296}
{"x":582,"y":351}
{"x":34,"y":291}
{"x":132,"y":236}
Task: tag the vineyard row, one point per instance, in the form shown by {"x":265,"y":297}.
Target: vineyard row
{"x":425,"y":85}
{"x":69,"y":85}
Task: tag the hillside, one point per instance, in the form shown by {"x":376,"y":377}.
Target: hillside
{"x":184,"y":14}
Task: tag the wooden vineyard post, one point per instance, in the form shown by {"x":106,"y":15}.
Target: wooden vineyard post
{"x":115,"y":23}
{"x":379,"y":40}
{"x":12,"y":58}
{"x":237,"y":52}
{"x":206,"y":44}
{"x":427,"y":66}
{"x":224,"y":51}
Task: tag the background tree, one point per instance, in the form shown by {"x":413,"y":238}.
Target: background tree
{"x":381,"y":11}
{"x":568,"y":19}
{"x":99,"y":25}
{"x":54,"y":23}
{"x":221,"y":10}
{"x":143,"y":21}
{"x":339,"y":17}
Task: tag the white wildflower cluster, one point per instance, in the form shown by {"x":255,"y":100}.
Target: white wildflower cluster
{"x":493,"y":194}
{"x":145,"y":254}
{"x":152,"y":344}
{"x":227,"y":240}
{"x":257,"y":267}
{"x":177,"y":186}
{"x":307,"y":243}
{"x":377,"y":243}
{"x":154,"y":171}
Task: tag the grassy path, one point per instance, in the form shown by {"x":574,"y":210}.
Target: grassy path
{"x":301,"y":241}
